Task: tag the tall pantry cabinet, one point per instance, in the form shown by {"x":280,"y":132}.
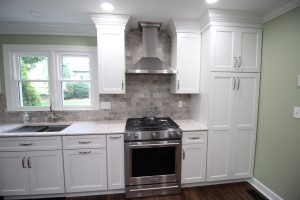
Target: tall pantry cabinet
{"x":229,"y":92}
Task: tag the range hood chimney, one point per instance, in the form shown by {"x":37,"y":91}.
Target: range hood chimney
{"x":150,"y":63}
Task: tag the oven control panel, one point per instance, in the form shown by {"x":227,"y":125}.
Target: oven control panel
{"x":153,"y":135}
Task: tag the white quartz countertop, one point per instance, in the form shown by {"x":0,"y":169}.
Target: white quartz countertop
{"x":190,"y":125}
{"x":94,"y":127}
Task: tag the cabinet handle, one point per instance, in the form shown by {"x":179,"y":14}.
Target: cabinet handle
{"x":238,"y":85}
{"x":239,"y":62}
{"x":114,"y":137}
{"x":85,"y":152}
{"x":122,"y":84}
{"x":178,"y":84}
{"x":84,"y":142}
{"x":23,"y":162}
{"x":183,"y":154}
{"x":235,"y":61}
{"x":234,"y":83}
{"x":29,"y":162}
{"x":194,"y":138}
{"x":26,"y":144}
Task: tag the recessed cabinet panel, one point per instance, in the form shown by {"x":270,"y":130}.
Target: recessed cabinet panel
{"x":13,"y":174}
{"x":246,"y":95}
{"x":218,"y":156}
{"x":111,"y":60}
{"x":243,"y":154}
{"x":223,"y":49}
{"x":221,"y":87}
{"x":188,"y":62}
{"x":85,"y":170}
{"x":46,"y":172}
{"x":193,"y":163}
{"x":115,"y":161}
{"x":250,"y":54}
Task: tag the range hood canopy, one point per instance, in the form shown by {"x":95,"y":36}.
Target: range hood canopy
{"x":150,"y":63}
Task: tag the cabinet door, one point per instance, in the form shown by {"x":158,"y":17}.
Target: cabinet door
{"x":111,"y":61}
{"x":220,"y":126}
{"x":46,"y":172}
{"x":115,"y":161}
{"x":85,"y":170}
{"x":249,"y":50}
{"x":224,"y":43}
{"x":245,"y":123}
{"x":188,"y":63}
{"x":193,"y":163}
{"x":13,"y":174}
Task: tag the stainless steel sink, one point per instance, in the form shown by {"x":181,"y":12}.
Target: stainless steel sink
{"x":41,"y":128}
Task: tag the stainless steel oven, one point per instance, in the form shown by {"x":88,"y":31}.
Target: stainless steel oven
{"x":152,"y":167}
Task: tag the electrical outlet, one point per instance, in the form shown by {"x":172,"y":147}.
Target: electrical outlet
{"x":297,"y":112}
{"x":180,"y":104}
{"x":105,"y":105}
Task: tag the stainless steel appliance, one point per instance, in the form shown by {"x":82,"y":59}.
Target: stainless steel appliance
{"x":152,"y":157}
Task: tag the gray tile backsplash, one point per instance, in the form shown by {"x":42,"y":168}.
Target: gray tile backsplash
{"x":143,"y":92}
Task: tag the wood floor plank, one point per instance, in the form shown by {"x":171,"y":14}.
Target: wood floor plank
{"x":232,"y":191}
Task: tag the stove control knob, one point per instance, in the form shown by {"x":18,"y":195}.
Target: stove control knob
{"x":179,"y":134}
{"x":127,"y":135}
{"x":154,"y":135}
{"x":136,"y":136}
{"x":171,"y":134}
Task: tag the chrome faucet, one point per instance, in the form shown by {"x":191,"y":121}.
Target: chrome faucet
{"x":52,"y":116}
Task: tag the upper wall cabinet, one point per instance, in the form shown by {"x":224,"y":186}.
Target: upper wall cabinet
{"x":235,"y":49}
{"x":111,"y":52}
{"x":186,"y":45}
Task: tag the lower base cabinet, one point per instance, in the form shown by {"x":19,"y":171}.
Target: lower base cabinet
{"x":33,"y":172}
{"x":85,"y":170}
{"x":193,"y":157}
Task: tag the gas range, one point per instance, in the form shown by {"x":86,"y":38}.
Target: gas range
{"x":143,"y":129}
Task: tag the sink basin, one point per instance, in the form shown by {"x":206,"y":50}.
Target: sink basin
{"x":42,"y":128}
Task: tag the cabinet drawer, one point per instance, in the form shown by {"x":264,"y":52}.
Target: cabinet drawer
{"x":30,"y":143}
{"x":87,"y":141}
{"x":195,"y":137}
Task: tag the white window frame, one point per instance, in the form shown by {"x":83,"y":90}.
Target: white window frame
{"x":53,"y":52}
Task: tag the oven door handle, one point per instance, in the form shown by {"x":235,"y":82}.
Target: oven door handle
{"x":154,"y":145}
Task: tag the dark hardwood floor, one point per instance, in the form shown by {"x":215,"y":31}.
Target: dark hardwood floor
{"x":232,"y":191}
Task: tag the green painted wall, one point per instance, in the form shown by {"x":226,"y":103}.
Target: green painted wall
{"x":277,"y":163}
{"x":41,"y":39}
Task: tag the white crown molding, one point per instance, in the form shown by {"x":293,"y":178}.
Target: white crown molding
{"x":33,"y":28}
{"x":109,"y":20}
{"x":267,"y":192}
{"x":184,"y":26}
{"x":281,"y":10}
{"x":221,"y":17}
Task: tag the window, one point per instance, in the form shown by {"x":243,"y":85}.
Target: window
{"x":40,"y":76}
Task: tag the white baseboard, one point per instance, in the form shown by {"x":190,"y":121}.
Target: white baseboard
{"x":267,"y":192}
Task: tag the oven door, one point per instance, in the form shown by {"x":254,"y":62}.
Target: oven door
{"x":152,"y":162}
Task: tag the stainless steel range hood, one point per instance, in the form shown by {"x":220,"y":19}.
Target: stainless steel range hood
{"x":150,"y":63}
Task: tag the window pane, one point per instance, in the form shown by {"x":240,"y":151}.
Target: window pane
{"x":76,"y":68}
{"x":76,"y":94}
{"x":34,"y":93}
{"x":33,"y":67}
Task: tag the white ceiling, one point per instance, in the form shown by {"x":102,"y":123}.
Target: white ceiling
{"x":75,"y":11}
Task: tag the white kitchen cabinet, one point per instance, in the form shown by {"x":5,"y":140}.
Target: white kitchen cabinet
{"x":85,"y":170}
{"x":46,"y":172}
{"x":111,"y":52}
{"x":235,"y":49}
{"x":115,"y":161}
{"x":33,"y":172}
{"x":232,"y":125}
{"x":186,"y":46}
{"x":194,"y":157}
{"x":14,"y":178}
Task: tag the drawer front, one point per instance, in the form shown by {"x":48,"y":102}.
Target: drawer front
{"x":30,"y":143}
{"x":87,"y":141}
{"x":194,"y":137}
